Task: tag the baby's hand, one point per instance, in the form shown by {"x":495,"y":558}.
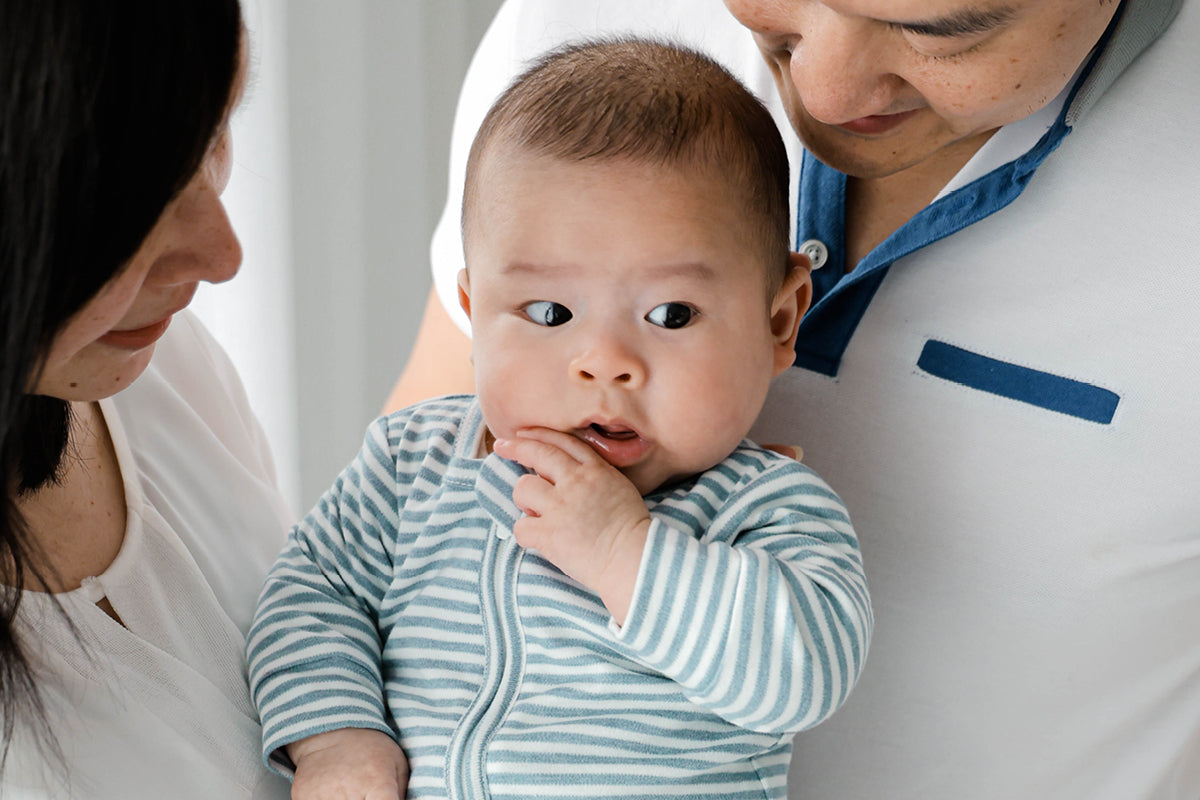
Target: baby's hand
{"x":349,"y":764}
{"x":582,"y":514}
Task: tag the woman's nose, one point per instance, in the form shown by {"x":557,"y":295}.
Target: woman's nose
{"x":607,"y":360}
{"x":203,"y":245}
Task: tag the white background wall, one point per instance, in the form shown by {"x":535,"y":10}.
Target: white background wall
{"x":339,"y":176}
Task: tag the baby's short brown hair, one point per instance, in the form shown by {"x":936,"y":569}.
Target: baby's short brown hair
{"x":652,"y":102}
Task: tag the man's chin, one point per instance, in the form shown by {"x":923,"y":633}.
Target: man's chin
{"x":859,"y":157}
{"x":871,"y":157}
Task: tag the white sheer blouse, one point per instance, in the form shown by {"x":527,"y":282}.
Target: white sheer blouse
{"x":158,"y":707}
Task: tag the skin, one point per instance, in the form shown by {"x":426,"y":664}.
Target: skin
{"x":618,"y":245}
{"x":611,"y":243}
{"x":349,"y":764}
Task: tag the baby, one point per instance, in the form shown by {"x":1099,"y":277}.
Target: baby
{"x":582,"y":582}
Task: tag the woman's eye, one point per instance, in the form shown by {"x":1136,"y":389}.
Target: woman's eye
{"x":671,"y":315}
{"x":548,"y":313}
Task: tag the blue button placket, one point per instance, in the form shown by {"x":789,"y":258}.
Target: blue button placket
{"x":839,"y":298}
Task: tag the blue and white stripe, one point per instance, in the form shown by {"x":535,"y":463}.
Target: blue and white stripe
{"x":402,"y":603}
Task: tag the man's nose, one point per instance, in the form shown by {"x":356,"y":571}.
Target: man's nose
{"x":840,"y":66}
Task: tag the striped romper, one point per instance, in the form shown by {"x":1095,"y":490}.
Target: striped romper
{"x":402,"y":603}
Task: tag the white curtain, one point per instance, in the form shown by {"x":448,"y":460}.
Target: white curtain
{"x":339,"y":176}
{"x":252,"y":315}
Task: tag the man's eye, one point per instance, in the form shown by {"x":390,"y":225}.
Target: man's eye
{"x":547,"y":312}
{"x":671,"y":315}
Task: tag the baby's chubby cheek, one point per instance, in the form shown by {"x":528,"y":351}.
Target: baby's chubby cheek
{"x":508,"y":406}
{"x":701,"y":440}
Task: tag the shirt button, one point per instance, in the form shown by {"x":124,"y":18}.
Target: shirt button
{"x":816,"y":251}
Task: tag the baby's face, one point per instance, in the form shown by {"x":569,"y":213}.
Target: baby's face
{"x":624,"y":304}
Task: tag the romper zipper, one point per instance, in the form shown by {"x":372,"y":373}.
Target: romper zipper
{"x":504,"y":665}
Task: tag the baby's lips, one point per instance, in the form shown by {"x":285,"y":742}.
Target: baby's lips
{"x":620,"y":452}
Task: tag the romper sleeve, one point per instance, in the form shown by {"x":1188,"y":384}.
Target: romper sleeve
{"x":314,"y":647}
{"x":764,"y":618}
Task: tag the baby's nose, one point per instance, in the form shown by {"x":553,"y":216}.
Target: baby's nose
{"x":609,"y":361}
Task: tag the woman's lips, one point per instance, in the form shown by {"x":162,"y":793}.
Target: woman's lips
{"x":137,"y":338}
{"x":877,"y":123}
{"x":618,"y":445}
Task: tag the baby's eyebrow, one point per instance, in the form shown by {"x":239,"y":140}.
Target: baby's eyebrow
{"x":964,"y":22}
{"x":528,"y":268}
{"x":687,"y":269}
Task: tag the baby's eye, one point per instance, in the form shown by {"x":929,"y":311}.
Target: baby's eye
{"x":671,"y":315}
{"x":547,"y":312}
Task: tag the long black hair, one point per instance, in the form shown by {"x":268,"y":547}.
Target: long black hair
{"x":107,"y":109}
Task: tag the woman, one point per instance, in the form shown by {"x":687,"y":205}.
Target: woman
{"x":137,"y":528}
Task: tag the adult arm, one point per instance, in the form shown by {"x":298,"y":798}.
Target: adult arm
{"x":440,"y":361}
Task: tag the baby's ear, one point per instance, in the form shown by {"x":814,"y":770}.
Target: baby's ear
{"x":464,"y":291}
{"x":789,"y":305}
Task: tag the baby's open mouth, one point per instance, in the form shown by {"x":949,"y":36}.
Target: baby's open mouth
{"x":619,"y":445}
{"x":614,"y":432}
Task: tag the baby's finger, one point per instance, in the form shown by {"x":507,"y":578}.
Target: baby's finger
{"x":532,"y":494}
{"x":530,"y":532}
{"x":544,"y":458}
{"x":580,"y":450}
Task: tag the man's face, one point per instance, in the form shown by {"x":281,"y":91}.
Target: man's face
{"x":874,"y":87}
{"x":624,"y":304}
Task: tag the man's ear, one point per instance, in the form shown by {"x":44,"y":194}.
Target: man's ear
{"x":464,"y":291}
{"x":789,"y":305}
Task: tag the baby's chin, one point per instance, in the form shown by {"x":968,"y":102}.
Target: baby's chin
{"x":650,"y":479}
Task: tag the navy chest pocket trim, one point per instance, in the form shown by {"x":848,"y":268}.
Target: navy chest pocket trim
{"x":1042,"y":389}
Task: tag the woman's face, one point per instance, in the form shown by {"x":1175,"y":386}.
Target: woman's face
{"x":108,"y":343}
{"x":874,"y":87}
